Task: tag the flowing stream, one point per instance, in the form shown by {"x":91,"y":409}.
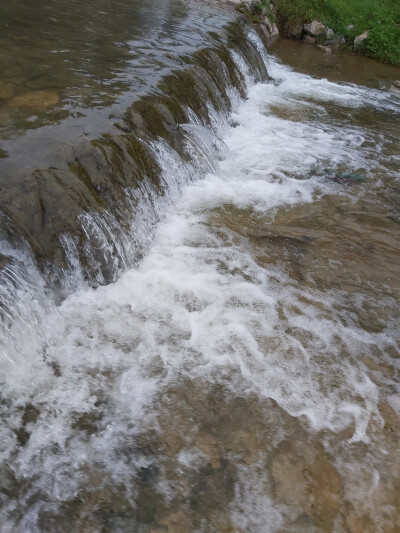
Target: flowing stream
{"x":199,"y":308}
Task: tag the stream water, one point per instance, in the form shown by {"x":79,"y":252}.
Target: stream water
{"x":199,"y":299}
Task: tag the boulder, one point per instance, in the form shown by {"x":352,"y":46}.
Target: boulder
{"x":358,"y":40}
{"x":295,"y":31}
{"x":336,"y":42}
{"x":315,"y":28}
{"x":396,"y":85}
{"x":350,"y":27}
{"x":271,"y":30}
{"x":329,"y":33}
{"x":326,"y":49}
{"x":308,"y":39}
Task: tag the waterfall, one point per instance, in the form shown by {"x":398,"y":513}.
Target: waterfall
{"x":199,"y":309}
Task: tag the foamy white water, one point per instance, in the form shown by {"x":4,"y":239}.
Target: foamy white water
{"x":201,"y":307}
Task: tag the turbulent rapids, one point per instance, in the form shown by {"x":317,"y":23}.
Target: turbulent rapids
{"x":199,"y":306}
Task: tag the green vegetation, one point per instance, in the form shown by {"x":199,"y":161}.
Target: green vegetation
{"x":254,"y":13}
{"x":380,"y":17}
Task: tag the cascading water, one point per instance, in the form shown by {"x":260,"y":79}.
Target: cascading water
{"x":199,"y":348}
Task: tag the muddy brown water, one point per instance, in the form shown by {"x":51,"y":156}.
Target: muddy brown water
{"x":244,"y":375}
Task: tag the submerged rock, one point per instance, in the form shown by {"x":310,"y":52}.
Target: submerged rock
{"x":326,"y":49}
{"x":308,"y":39}
{"x":36,"y":100}
{"x":346,"y":177}
{"x":6,"y":90}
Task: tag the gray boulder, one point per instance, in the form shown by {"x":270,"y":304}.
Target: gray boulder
{"x":358,"y":40}
{"x":295,"y":31}
{"x":315,"y":28}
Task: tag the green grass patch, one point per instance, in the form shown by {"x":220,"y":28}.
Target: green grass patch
{"x":381,"y":17}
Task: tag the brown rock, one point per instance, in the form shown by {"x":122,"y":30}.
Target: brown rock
{"x":308,"y":39}
{"x":6,"y":90}
{"x":177,"y":522}
{"x":295,"y":31}
{"x":36,"y":100}
{"x":327,"y":489}
{"x":359,"y":524}
{"x":326,"y":49}
{"x":307,"y":479}
{"x":208,"y":445}
{"x":248,"y":446}
{"x":291,"y":485}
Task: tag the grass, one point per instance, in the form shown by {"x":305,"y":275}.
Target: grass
{"x":380,"y":17}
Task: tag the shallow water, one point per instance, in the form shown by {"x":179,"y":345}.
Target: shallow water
{"x":245,"y":375}
{"x":64,"y":60}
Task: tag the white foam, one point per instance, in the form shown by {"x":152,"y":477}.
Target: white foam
{"x":199,"y":305}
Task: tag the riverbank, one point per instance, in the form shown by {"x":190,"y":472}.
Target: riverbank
{"x":370,"y":28}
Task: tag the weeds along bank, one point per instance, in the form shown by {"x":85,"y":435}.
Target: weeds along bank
{"x":369,"y":27}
